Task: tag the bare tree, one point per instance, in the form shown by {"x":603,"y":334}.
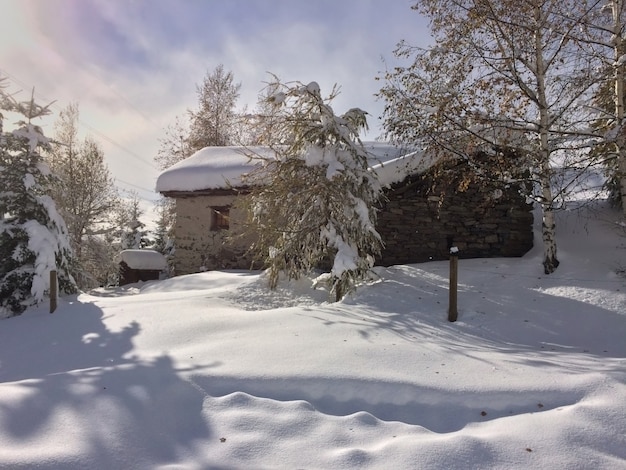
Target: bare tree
{"x":502,"y":74}
{"x":174,"y":144}
{"x":602,"y":34}
{"x":85,"y":193}
{"x":211,"y":122}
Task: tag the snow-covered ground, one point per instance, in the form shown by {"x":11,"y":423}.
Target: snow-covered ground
{"x":212,"y":371}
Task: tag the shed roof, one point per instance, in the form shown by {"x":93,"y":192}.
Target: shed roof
{"x":144,"y":259}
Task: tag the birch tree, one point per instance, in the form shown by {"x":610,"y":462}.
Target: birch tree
{"x":604,"y":37}
{"x":173,"y":145}
{"x":617,"y":40}
{"x":502,"y":74}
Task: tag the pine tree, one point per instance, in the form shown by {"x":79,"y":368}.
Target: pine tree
{"x":33,"y":236}
{"x":163,"y":235}
{"x":130,"y":229}
{"x":316,"y":203}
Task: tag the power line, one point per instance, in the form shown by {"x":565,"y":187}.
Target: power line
{"x":87,"y":125}
{"x":96,"y":131}
{"x":137,"y":187}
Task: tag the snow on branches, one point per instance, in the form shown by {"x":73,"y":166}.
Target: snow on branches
{"x":317,"y":208}
{"x":33,"y":236}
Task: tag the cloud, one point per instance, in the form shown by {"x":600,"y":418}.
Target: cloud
{"x":133,"y":65}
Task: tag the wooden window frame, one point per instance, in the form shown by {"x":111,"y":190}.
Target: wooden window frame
{"x":220,"y":218}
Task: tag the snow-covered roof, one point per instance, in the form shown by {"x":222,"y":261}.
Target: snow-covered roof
{"x":144,"y":259}
{"x":223,"y":167}
{"x":395,"y":170}
{"x":212,"y":168}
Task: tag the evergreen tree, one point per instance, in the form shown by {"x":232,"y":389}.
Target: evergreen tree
{"x":130,"y":230}
{"x":316,"y":203}
{"x":33,"y":236}
{"x":163,"y":235}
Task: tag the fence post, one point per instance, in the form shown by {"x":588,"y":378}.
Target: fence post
{"x":53,"y":291}
{"x":454,"y":276}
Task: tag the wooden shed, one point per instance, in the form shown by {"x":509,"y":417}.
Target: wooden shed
{"x":141,"y":265}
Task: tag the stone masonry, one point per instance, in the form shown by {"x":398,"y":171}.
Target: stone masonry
{"x":421,"y":219}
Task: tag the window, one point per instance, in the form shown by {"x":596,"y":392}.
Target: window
{"x":221,"y":218}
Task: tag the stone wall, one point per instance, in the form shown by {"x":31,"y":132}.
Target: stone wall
{"x":421,"y":220}
{"x":198,"y":246}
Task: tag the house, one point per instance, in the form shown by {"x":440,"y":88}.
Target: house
{"x":140,"y":265}
{"x":420,"y":217}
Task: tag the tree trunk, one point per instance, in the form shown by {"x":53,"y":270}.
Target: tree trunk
{"x":622,"y":177}
{"x":548,"y":229}
{"x":548,"y":234}
{"x":618,"y":51}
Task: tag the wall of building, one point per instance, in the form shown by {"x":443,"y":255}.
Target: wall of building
{"x":200,"y":248}
{"x":420,"y":221}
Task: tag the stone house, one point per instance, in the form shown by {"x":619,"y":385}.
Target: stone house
{"x":421,"y":216}
{"x":426,"y":212}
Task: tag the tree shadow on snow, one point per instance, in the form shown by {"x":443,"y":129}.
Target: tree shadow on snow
{"x":412,"y":304}
{"x":87,"y":375}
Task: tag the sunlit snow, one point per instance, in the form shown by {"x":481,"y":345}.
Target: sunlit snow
{"x":224,"y":167}
{"x":214,"y":371}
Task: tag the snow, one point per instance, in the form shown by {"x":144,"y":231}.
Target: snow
{"x":33,"y":134}
{"x":29,"y":181}
{"x":396,"y":169}
{"x":44,"y":243}
{"x":278,"y":98}
{"x":213,"y":371}
{"x":212,"y":168}
{"x":143,"y":259}
{"x":223,"y":167}
{"x":347,"y":254}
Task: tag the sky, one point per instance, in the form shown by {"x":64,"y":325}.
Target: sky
{"x":133,"y":65}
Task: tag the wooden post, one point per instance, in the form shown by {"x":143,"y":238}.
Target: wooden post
{"x":454,"y":276}
{"x":338,"y":291}
{"x":53,"y":291}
